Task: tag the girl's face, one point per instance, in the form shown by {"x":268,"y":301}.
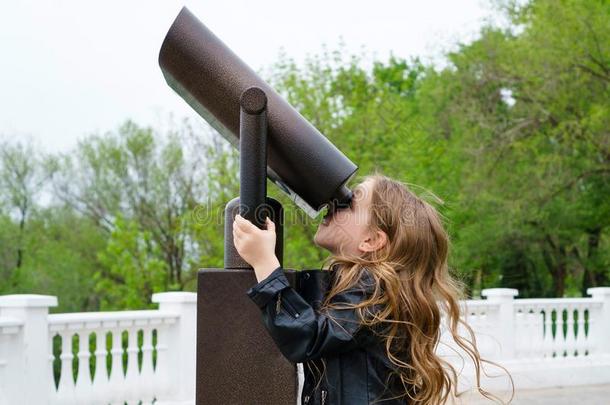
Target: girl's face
{"x":347,"y":231}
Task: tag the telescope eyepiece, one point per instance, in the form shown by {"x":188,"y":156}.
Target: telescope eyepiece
{"x":341,"y":200}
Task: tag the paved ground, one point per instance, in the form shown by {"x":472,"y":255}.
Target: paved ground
{"x":586,"y":395}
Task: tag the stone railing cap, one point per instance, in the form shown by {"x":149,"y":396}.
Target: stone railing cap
{"x":598,"y":291}
{"x":28,"y":300}
{"x":175,"y":296}
{"x":499,"y":292}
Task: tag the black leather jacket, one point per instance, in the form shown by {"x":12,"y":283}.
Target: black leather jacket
{"x":356,"y":364}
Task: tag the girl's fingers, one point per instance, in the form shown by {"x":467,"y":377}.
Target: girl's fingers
{"x":238,"y":233}
{"x":237,"y":240}
{"x":270,"y":224}
{"x":243,"y":223}
{"x":239,"y":226}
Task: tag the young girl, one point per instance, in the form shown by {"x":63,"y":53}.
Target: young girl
{"x":373,"y":338}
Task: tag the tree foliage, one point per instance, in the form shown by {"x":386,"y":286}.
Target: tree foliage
{"x":510,"y":140}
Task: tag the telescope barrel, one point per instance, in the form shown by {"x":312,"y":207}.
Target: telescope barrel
{"x":211,"y":78}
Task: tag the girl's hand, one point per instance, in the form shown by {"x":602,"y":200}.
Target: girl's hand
{"x":256,"y":246}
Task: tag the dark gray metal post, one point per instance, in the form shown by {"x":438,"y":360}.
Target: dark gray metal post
{"x":253,"y":155}
{"x":253,"y":203}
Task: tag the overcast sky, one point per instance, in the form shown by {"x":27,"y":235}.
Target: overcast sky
{"x":69,"y":68}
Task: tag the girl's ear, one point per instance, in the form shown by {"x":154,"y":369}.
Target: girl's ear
{"x":374,"y":241}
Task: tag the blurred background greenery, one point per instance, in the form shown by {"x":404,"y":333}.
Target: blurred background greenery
{"x":512,"y":133}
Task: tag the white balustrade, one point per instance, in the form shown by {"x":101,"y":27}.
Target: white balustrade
{"x":111,"y":358}
{"x":130,"y":333}
{"x":103,"y":358}
{"x":548,"y":328}
{"x":542,"y":342}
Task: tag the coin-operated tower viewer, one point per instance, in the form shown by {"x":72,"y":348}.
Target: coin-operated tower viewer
{"x":235,"y":354}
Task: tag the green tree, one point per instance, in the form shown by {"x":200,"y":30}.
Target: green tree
{"x":62,"y":248}
{"x":24,"y":171}
{"x":534,"y":100}
{"x":154,"y":182}
{"x":134,"y":268}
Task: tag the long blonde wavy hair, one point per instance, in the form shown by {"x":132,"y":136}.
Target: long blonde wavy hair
{"x":415,"y":291}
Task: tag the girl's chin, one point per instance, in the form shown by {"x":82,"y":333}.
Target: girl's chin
{"x":319,"y":241}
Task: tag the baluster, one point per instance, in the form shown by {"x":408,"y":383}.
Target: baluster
{"x":52,"y":389}
{"x":580,"y":335}
{"x":538,"y":332}
{"x":116,"y":380}
{"x":483,"y":332}
{"x":131,"y":377}
{"x":162,"y":366}
{"x":586,"y":330}
{"x":576,"y":330}
{"x":528,"y":336}
{"x":82,"y":390}
{"x":519,"y":332}
{"x":559,"y":338}
{"x":492,"y":326}
{"x":473,"y":321}
{"x":147,"y":372}
{"x":568,"y":338}
{"x":66,"y":382}
{"x":563,"y":342}
{"x":548,"y":332}
{"x":558,"y":341}
{"x":100,"y":379}
{"x":574,"y":318}
{"x":562,"y":338}
{"x":527,"y":333}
